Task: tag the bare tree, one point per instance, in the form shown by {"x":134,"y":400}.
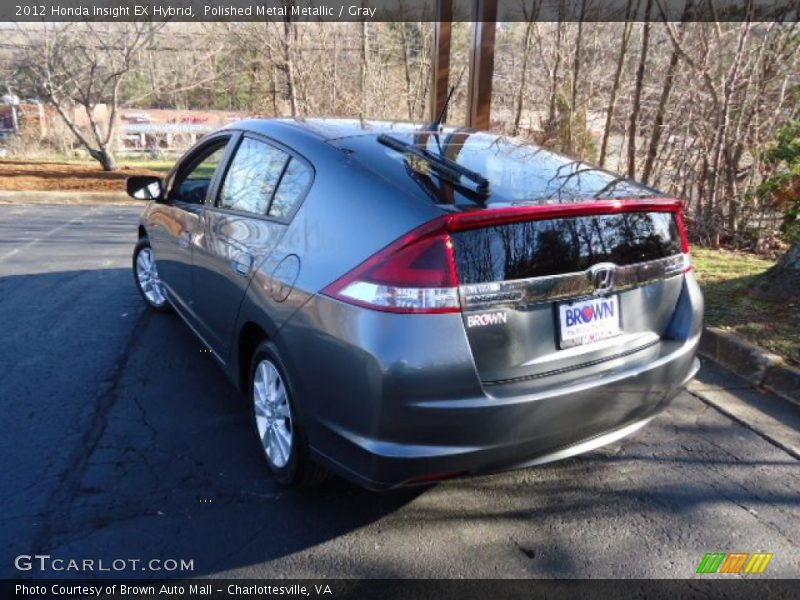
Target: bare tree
{"x":576,"y":71}
{"x":78,"y":65}
{"x":691,"y":109}
{"x":365,"y":70}
{"x":623,"y":48}
{"x":658,"y":119}
{"x":289,"y":35}
{"x":526,"y":53}
{"x":637,"y":93}
{"x":551,"y":112}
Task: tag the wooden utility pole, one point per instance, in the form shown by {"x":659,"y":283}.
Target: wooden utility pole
{"x":440,"y":74}
{"x":481,"y":65}
{"x":481,"y":62}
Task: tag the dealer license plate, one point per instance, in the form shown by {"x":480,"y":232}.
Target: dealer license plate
{"x":588,"y":321}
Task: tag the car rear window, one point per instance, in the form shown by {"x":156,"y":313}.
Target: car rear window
{"x":517,"y":171}
{"x":520,"y":171}
{"x":553,"y":246}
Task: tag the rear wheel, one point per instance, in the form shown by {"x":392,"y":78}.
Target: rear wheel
{"x":145,"y":273}
{"x":276,"y":422}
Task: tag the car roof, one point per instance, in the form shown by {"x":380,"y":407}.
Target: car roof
{"x":331,"y":129}
{"x":328,"y":129}
{"x":541,"y":175}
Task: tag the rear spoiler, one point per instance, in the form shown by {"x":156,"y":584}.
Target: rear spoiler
{"x":488,"y":217}
{"x":513,"y":214}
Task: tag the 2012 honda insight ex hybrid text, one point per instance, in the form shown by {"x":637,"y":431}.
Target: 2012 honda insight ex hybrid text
{"x":404,"y":303}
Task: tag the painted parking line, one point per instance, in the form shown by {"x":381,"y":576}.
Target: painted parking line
{"x":43,"y":237}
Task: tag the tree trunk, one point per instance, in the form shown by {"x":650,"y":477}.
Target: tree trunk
{"x":576,"y":69}
{"x":407,"y":70}
{"x":637,"y":95}
{"x":364,"y":70}
{"x":626,"y":34}
{"x":551,"y":113}
{"x":335,"y":74}
{"x":101,"y":154}
{"x":288,"y":65}
{"x":782,"y":282}
{"x":658,"y":124}
{"x":791,"y":260}
{"x":526,"y":49}
{"x":105,"y":158}
{"x":274,"y":91}
{"x":722,"y":140}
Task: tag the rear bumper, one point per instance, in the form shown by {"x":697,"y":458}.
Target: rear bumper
{"x":609,"y":437}
{"x":385,"y":416}
{"x":546,"y":430}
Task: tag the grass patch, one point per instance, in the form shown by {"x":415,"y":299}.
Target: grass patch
{"x":162,"y":165}
{"x":726,"y":279}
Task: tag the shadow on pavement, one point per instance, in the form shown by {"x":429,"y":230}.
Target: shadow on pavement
{"x":155,"y":456}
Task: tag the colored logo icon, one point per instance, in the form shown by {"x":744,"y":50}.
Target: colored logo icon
{"x":735,"y":562}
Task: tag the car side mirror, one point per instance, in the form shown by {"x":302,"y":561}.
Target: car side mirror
{"x":145,"y":187}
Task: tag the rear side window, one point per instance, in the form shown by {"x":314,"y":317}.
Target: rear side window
{"x":253,"y":176}
{"x":554,"y":246}
{"x":294,"y":182}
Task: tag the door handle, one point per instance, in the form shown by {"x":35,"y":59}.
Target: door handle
{"x":242,"y":265}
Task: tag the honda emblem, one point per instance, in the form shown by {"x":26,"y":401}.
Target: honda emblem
{"x":603,"y":276}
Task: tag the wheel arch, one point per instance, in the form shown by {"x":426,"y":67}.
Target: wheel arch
{"x":251,"y":336}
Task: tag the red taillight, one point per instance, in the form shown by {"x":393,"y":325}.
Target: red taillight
{"x":416,"y":274}
{"x":685,"y":248}
{"x":682,"y":228}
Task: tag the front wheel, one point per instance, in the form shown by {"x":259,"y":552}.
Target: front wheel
{"x":276,"y":423}
{"x":145,"y":273}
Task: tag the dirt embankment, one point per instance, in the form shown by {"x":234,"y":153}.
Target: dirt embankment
{"x":64,"y":177}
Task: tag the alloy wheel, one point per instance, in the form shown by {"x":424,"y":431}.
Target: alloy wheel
{"x":273,"y":413}
{"x":147,"y":276}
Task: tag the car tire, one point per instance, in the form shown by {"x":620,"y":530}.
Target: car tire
{"x":145,"y":275}
{"x":277,"y":424}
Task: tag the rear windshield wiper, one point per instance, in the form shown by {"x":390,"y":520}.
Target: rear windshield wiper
{"x":439,"y":163}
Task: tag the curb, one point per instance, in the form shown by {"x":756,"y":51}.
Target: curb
{"x":751,"y":362}
{"x":762,"y":419}
{"x":20,"y":197}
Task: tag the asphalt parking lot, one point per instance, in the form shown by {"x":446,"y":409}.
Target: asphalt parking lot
{"x":122,"y":439}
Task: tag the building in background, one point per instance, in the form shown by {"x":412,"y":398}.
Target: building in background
{"x":163,"y":131}
{"x":154,"y":131}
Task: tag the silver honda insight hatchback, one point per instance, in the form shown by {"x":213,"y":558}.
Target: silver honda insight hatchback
{"x":404,"y":303}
